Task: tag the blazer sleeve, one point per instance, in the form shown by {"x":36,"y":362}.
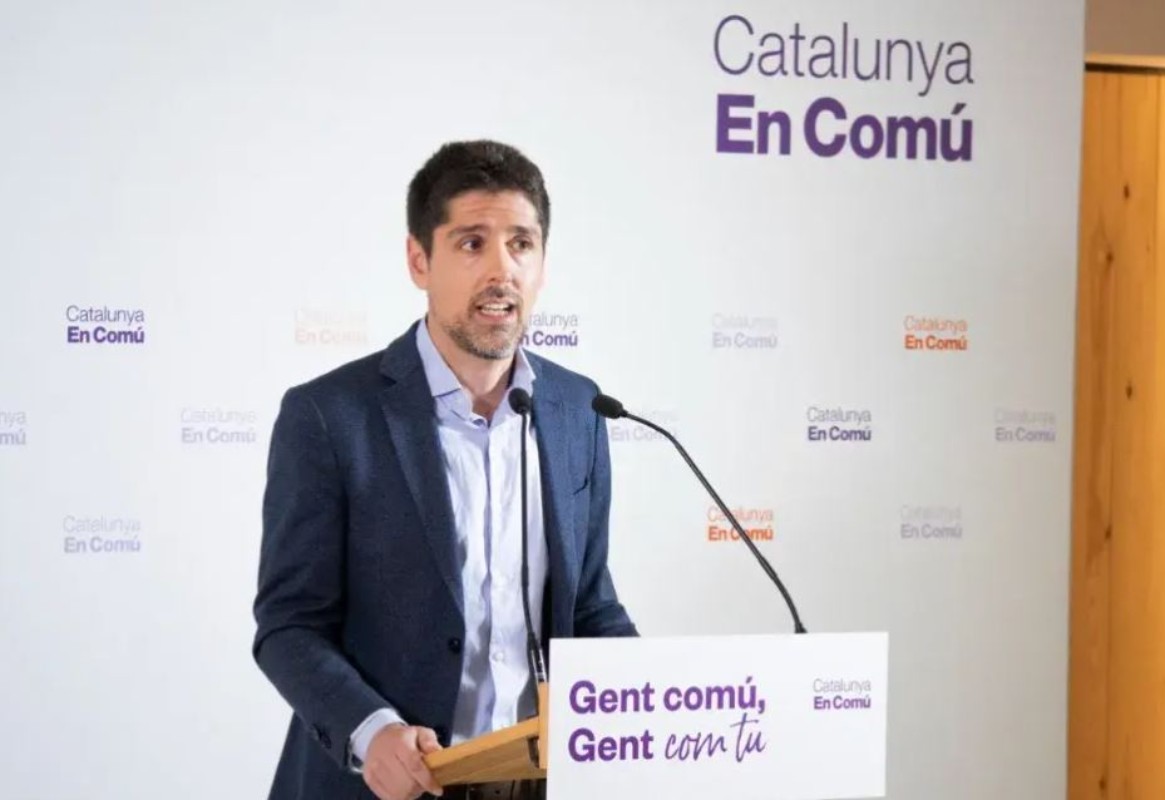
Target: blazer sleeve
{"x":299,"y":606}
{"x":598,"y":611}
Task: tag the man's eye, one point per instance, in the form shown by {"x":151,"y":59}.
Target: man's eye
{"x":523,"y":244}
{"x":473,"y":244}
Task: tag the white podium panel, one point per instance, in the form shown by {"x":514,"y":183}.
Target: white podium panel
{"x":765,"y":717}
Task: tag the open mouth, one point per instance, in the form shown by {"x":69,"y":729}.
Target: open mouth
{"x":497,"y":310}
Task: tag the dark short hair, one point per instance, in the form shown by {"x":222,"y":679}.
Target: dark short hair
{"x":460,"y":167}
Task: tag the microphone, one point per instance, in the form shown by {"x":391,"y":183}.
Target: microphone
{"x":521,"y":404}
{"x":609,"y":407}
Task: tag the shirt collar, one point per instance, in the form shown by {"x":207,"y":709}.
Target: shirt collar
{"x":443,"y":382}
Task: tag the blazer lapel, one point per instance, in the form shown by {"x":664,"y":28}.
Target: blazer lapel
{"x":408,"y":409}
{"x":553,"y":435}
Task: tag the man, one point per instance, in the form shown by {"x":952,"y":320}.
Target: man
{"x":389,"y":611}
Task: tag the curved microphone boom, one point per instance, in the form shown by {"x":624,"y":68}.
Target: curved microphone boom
{"x":609,"y":407}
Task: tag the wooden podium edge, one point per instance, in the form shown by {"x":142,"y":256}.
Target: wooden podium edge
{"x":515,"y":753}
{"x":543,"y":726}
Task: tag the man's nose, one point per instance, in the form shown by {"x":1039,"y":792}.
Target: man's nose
{"x":501,"y":266}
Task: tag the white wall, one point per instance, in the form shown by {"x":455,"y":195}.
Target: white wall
{"x":236,"y":173}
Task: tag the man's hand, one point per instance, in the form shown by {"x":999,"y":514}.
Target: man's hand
{"x":394,"y":768}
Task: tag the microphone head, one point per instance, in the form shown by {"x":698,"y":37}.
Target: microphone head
{"x":606,"y":406}
{"x":520,"y":400}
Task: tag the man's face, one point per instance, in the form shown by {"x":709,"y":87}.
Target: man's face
{"x":484,"y":273}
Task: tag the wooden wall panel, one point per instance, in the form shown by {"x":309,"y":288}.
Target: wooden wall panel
{"x":1136,"y":740}
{"x":1092,"y":443}
{"x":1116,"y":741}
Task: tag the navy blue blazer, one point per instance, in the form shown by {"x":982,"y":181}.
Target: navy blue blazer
{"x":359,"y":598}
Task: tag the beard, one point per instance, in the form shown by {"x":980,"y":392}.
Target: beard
{"x":486,"y":339}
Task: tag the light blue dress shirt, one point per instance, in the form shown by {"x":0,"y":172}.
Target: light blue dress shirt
{"x":483,"y":468}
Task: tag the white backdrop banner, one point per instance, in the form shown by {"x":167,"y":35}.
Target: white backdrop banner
{"x":830,"y":244}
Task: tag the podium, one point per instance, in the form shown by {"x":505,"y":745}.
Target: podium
{"x":796,"y":717}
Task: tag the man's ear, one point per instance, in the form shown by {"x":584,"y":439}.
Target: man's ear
{"x":418,"y":263}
